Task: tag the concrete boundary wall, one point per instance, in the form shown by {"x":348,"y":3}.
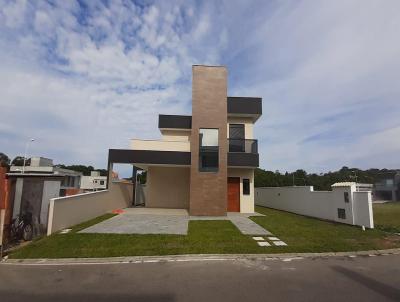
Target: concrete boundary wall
{"x":320,"y":204}
{"x":71,"y":210}
{"x":363,"y":213}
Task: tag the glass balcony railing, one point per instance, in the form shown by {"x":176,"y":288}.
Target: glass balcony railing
{"x":242,"y":145}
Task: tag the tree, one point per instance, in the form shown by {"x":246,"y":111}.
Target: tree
{"x":85,"y":170}
{"x":4,"y":160}
{"x":142,"y":177}
{"x":322,"y":181}
{"x":103,"y":172}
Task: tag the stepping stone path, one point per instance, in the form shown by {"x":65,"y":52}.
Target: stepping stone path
{"x":261,"y":241}
{"x":65,"y":231}
{"x":258,"y":238}
{"x":279,"y":243}
{"x":247,"y":226}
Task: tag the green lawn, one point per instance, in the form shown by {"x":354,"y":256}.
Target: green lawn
{"x":302,"y":234}
{"x":387,"y":216}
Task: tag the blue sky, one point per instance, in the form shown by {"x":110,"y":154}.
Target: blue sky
{"x":84,"y":76}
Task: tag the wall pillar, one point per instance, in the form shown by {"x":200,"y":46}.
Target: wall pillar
{"x":208,"y":190}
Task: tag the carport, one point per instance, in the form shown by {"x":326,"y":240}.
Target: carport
{"x":168,"y":176}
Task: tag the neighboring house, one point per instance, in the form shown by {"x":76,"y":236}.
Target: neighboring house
{"x":30,"y":188}
{"x":30,"y":193}
{"x":70,"y":183}
{"x":363,"y":187}
{"x":94,"y":182}
{"x":204,"y":162}
{"x":388,"y":188}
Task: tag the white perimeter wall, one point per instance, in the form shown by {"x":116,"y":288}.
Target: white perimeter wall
{"x":363,"y":213}
{"x":51,"y":189}
{"x":71,"y":210}
{"x":319,"y":204}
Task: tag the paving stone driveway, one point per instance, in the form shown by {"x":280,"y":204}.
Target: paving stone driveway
{"x":144,"y":221}
{"x":167,"y":221}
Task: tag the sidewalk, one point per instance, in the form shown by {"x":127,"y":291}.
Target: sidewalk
{"x":195,"y":258}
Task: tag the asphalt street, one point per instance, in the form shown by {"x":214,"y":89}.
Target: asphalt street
{"x":361,"y":278}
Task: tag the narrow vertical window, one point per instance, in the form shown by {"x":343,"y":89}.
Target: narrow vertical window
{"x":346,"y":197}
{"x":341,"y":213}
{"x":208,"y":150}
{"x":236,"y":138}
{"x":246,"y":186}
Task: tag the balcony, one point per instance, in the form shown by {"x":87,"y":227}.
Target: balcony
{"x":175,"y":122}
{"x":243,"y":145}
{"x":243,"y":153}
{"x":245,"y":106}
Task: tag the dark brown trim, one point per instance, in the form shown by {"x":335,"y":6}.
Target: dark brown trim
{"x":241,"y":159}
{"x":27,"y":175}
{"x":244,"y":105}
{"x":174,"y":121}
{"x":127,"y":156}
{"x":235,"y":105}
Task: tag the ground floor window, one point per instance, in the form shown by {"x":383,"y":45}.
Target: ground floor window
{"x":246,"y":186}
{"x":341,"y":213}
{"x":208,"y":161}
{"x":208,"y":150}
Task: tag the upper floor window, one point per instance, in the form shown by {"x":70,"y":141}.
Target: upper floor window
{"x":236,"y":138}
{"x":236,"y":131}
{"x":208,"y":150}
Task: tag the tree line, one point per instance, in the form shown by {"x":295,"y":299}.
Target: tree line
{"x":322,"y":181}
{"x":86,"y":170}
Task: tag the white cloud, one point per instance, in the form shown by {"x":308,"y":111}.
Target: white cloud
{"x":80,"y":90}
{"x":327,"y":71}
{"x":14,"y":13}
{"x":82,"y":81}
{"x":43,"y":24}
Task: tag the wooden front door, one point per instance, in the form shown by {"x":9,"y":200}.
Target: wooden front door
{"x":233,"y":194}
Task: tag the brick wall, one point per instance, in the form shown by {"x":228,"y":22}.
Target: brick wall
{"x":3,"y":186}
{"x":5,"y":202}
{"x":208,"y":190}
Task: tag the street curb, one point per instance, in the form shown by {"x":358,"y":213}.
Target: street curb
{"x":195,"y":258}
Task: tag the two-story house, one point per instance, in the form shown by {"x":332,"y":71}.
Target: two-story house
{"x":204,"y":162}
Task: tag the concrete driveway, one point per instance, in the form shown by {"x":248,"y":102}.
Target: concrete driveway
{"x":167,"y":221}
